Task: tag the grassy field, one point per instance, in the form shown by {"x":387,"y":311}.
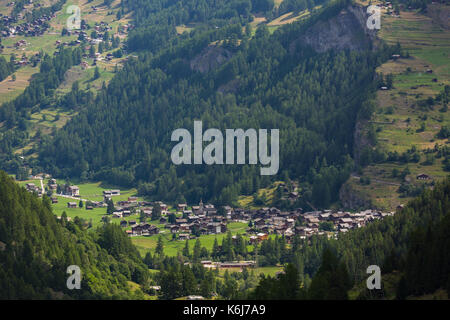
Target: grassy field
{"x":401,"y":113}
{"x":267,"y":271}
{"x":248,"y":201}
{"x":172,"y":247}
{"x":89,"y":191}
{"x":10,"y":89}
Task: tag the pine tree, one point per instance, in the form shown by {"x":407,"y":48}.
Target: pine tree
{"x":186,"y":252}
{"x":159,"y":247}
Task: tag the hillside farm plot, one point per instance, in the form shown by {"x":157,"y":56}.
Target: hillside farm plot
{"x":405,"y":117}
{"x":11,"y":89}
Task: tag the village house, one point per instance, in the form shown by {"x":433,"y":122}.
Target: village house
{"x":73,"y":191}
{"x":71,"y":204}
{"x":183,"y":236}
{"x":117,"y":215}
{"x":423,"y":176}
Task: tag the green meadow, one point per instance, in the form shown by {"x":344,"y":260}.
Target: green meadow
{"x":172,"y":247}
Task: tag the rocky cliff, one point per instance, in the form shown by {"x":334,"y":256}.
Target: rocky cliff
{"x":347,"y":30}
{"x":210,"y":58}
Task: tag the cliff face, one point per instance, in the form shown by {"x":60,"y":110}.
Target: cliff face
{"x":210,"y":58}
{"x":347,"y":30}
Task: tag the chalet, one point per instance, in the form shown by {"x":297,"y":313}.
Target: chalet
{"x":73,"y":191}
{"x":54,"y":199}
{"x":183,"y":236}
{"x":123,"y":223}
{"x":238,"y":264}
{"x":111,"y":193}
{"x":89,"y":208}
{"x":262,"y":236}
{"x":137,"y":230}
{"x":126,"y":213}
{"x":147,"y":213}
{"x":132,"y":222}
{"x":145,"y":229}
{"x":214,"y":228}
{"x":310,"y":219}
{"x":117,"y":214}
{"x":193,"y":219}
{"x":31,"y":187}
{"x":210,"y":211}
{"x":149,"y":229}
{"x":348,"y":221}
{"x":258,"y":238}
{"x":71,"y":204}
{"x":258,"y":222}
{"x":423,"y":176}
{"x":181,"y":206}
{"x":98,"y":204}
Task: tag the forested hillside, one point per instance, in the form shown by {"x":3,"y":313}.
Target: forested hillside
{"x":36,"y":248}
{"x":5,"y":68}
{"x":410,"y":247}
{"x":267,"y":81}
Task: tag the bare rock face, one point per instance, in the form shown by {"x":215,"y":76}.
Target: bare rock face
{"x":210,"y":58}
{"x":347,"y":30}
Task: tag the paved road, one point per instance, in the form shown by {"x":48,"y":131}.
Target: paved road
{"x":42,"y":186}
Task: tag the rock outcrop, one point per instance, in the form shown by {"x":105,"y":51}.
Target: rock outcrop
{"x":210,"y":58}
{"x":347,"y":30}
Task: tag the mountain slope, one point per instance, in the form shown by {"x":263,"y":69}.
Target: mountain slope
{"x":36,"y":249}
{"x":406,"y":135}
{"x":313,"y":98}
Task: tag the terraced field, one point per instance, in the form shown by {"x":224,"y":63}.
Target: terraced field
{"x":45,"y":121}
{"x":403,"y":117}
